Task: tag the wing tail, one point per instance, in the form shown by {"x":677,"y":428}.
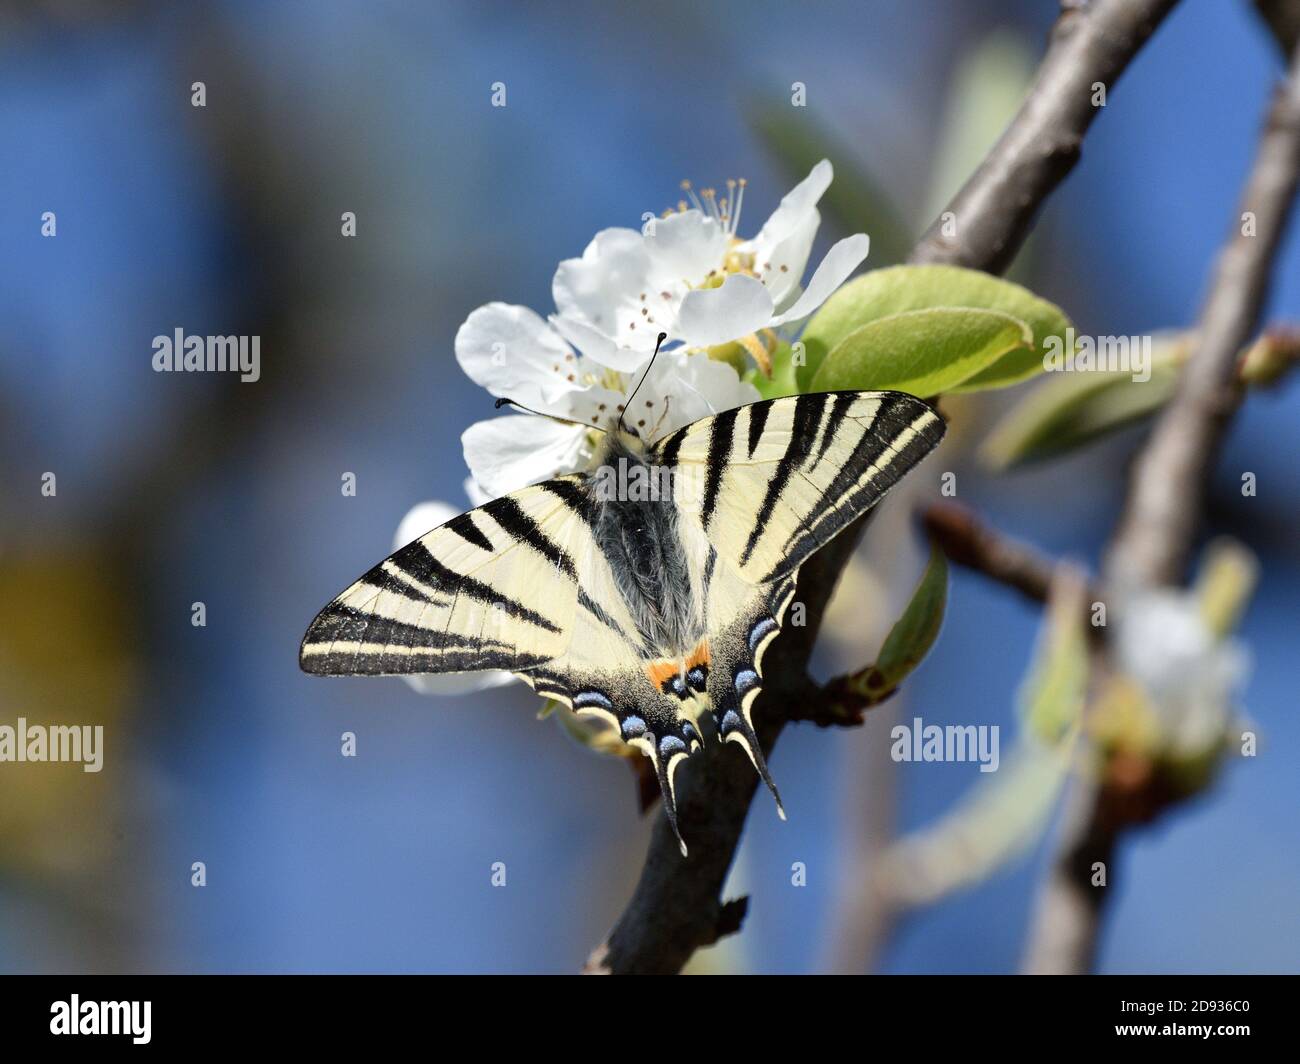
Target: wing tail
{"x":734,"y":727}
{"x":736,"y":669}
{"x":645,"y":718}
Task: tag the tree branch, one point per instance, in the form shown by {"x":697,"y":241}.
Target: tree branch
{"x":970,"y":543}
{"x":1283,"y":20}
{"x":1091,"y":44}
{"x":1157,"y":529}
{"x":1155,"y":534}
{"x":675,"y":908}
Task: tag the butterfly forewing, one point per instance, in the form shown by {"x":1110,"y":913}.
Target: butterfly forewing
{"x":495,"y":588}
{"x":775,"y":481}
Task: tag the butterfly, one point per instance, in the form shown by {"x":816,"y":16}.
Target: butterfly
{"x":645,"y":592}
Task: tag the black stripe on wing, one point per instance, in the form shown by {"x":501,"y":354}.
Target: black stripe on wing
{"x":839,"y":409}
{"x":428,"y":580}
{"x":465,"y":527}
{"x":803,"y":430}
{"x":571,"y":493}
{"x":371,"y":645}
{"x":514,"y":522}
{"x":846,"y":499}
{"x":757,"y":422}
{"x":720,"y":438}
{"x":594,"y":608}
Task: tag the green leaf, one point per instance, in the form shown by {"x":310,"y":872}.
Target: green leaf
{"x":898,"y":289}
{"x":997,"y":820}
{"x":1228,"y":574}
{"x":594,"y":735}
{"x":1052,"y":694}
{"x":914,"y":633}
{"x":782,"y":382}
{"x":908,"y":641}
{"x":924,"y":352}
{"x":1068,"y":410}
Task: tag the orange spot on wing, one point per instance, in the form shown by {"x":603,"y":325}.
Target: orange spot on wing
{"x":661,"y":670}
{"x":699,"y":656}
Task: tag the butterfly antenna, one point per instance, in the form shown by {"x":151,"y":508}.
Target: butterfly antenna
{"x":550,"y":417}
{"x":627,"y":403}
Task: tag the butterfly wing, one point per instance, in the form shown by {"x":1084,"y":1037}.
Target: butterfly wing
{"x":742,"y":622}
{"x":495,"y":588}
{"x":772,"y":482}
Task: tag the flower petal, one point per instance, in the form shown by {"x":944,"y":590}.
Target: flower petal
{"x":514,"y":354}
{"x":421,"y":518}
{"x":796,"y":204}
{"x":598,"y":347}
{"x":601,"y":288}
{"x":475,"y":493}
{"x":683,"y":248}
{"x":842,"y":259}
{"x":782,"y":246}
{"x":781,"y":265}
{"x":711,"y":316}
{"x":682,"y":388}
{"x":508,"y":453}
{"x":458,"y":683}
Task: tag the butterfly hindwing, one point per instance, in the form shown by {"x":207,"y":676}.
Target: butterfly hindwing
{"x":658,"y":705}
{"x":772,"y":482}
{"x":743,"y":620}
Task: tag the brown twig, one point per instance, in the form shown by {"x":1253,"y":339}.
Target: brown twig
{"x":1158,"y":525}
{"x":969,"y":542}
{"x":1283,"y":20}
{"x":1091,"y":45}
{"x":1157,"y":528}
{"x":674,"y":908}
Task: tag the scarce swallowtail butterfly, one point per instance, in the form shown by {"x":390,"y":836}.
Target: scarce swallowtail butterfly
{"x":649,"y":609}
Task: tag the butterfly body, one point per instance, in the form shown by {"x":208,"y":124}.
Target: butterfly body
{"x":644,"y":593}
{"x":655,"y":561}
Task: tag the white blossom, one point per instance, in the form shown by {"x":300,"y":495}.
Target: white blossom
{"x":1190,"y":676}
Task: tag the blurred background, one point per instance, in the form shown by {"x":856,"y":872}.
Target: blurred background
{"x":181,"y":488}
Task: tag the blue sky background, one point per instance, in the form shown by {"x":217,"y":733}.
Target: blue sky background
{"x":225,"y":219}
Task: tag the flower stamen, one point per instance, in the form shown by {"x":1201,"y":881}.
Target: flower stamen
{"x":740,"y":202}
{"x":686,"y":187}
{"x":759,"y":353}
